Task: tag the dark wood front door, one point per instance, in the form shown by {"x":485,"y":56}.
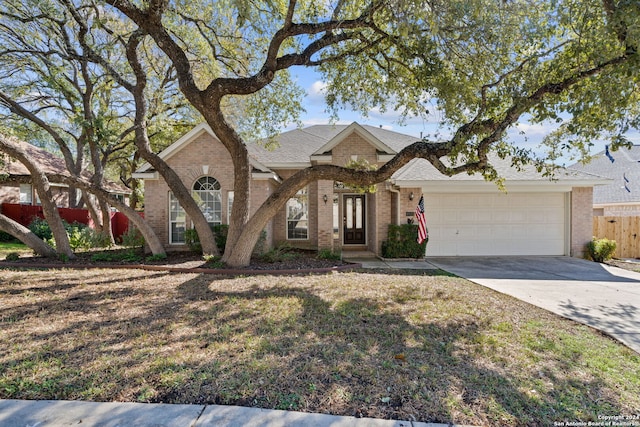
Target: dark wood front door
{"x":353,"y":220}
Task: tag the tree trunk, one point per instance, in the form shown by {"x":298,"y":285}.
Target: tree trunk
{"x":43,"y":188}
{"x":93,"y":212}
{"x":155,"y":245}
{"x":107,"y":230}
{"x":26,"y":236}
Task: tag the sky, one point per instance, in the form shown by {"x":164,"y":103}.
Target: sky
{"x":525,"y":135}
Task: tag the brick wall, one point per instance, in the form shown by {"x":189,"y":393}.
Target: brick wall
{"x":204,"y":156}
{"x":581,"y":219}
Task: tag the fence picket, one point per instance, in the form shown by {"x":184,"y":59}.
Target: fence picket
{"x":625,"y":230}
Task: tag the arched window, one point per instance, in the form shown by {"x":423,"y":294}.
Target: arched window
{"x":206,"y":192}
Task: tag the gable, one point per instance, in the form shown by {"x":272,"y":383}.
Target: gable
{"x":182,"y":146}
{"x":346,"y":136}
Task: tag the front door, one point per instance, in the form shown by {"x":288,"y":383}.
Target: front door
{"x":353,"y":221}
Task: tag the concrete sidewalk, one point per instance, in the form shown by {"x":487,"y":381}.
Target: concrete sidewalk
{"x":58,"y":413}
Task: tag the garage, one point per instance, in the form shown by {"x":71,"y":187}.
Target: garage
{"x":496,"y":223}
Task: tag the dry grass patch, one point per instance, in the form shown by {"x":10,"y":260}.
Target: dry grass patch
{"x":428,"y":347}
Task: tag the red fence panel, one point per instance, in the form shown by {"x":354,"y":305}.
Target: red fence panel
{"x":24,"y":214}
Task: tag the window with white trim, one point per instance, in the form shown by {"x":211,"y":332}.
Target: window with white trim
{"x":298,"y":216}
{"x":177,"y":221}
{"x":206,"y":192}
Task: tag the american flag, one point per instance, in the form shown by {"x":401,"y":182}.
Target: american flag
{"x":423,"y":234}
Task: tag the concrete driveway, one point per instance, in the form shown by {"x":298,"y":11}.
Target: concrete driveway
{"x":606,"y":298}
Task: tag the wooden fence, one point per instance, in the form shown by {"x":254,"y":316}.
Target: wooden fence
{"x":24,"y":214}
{"x":625,"y":230}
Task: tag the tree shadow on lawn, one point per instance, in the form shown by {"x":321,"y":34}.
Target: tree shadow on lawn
{"x":358,"y":356}
{"x":287,"y":343}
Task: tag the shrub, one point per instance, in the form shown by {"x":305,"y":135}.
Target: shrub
{"x":402,"y":242}
{"x":329,"y":255}
{"x":213,"y":261}
{"x":40,"y":227}
{"x":7,"y":238}
{"x":156,"y":257}
{"x":601,"y":250}
{"x":12,"y":256}
{"x":220,"y":232}
{"x":280,"y":253}
{"x":116,"y":256}
{"x":132,"y":238}
{"x":192,"y":240}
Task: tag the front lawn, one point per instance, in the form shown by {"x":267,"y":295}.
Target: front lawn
{"x":425,"y":347}
{"x":14,"y":247}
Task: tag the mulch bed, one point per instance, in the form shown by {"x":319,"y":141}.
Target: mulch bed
{"x":303,"y":261}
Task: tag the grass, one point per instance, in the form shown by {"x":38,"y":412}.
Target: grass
{"x":430,"y":347}
{"x":11,"y":247}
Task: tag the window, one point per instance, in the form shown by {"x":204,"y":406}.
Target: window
{"x":177,"y":221}
{"x":26,"y":194}
{"x":229,"y":206}
{"x":297,"y":216}
{"x":206,"y":192}
{"x":336,"y":217}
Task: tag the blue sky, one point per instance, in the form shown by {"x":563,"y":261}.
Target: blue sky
{"x":526,"y":135}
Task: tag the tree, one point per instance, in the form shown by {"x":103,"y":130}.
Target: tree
{"x":51,"y":83}
{"x":42,"y":185}
{"x":483,"y":64}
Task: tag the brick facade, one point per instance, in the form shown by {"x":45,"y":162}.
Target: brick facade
{"x":581,"y":219}
{"x":205,"y":156}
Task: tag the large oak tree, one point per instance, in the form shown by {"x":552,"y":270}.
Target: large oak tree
{"x":482,"y":64}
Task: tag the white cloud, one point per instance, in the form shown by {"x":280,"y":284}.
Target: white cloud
{"x":316,"y":93}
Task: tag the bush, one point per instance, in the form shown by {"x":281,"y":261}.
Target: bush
{"x":402,"y":242}
{"x":280,"y":253}
{"x":116,"y":256}
{"x":192,"y":240}
{"x":156,"y":257}
{"x":329,"y":255}
{"x":7,"y":238}
{"x":220,"y":232}
{"x":40,"y":227}
{"x":601,"y":250}
{"x":80,"y":235}
{"x":132,"y":238}
{"x":12,"y":256}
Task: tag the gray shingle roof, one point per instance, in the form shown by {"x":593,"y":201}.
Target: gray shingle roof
{"x":299,"y":144}
{"x":626,"y":164}
{"x":422,"y":170}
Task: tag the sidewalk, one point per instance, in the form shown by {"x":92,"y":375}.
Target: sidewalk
{"x":58,"y":413}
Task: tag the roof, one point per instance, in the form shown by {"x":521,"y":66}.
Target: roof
{"x":298,"y":145}
{"x":624,"y":170}
{"x":50,"y":165}
{"x":295,"y":149}
{"x":422,"y":170}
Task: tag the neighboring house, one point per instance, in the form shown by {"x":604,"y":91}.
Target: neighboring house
{"x":15,"y":179}
{"x":621,"y":197}
{"x":465,"y":214}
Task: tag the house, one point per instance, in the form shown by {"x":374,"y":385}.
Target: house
{"x":465,"y":214}
{"x":15,"y":179}
{"x":621,"y":196}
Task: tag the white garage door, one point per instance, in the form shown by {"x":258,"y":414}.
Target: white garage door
{"x":496,"y":224}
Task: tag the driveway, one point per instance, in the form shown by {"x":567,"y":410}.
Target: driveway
{"x":604,"y":297}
